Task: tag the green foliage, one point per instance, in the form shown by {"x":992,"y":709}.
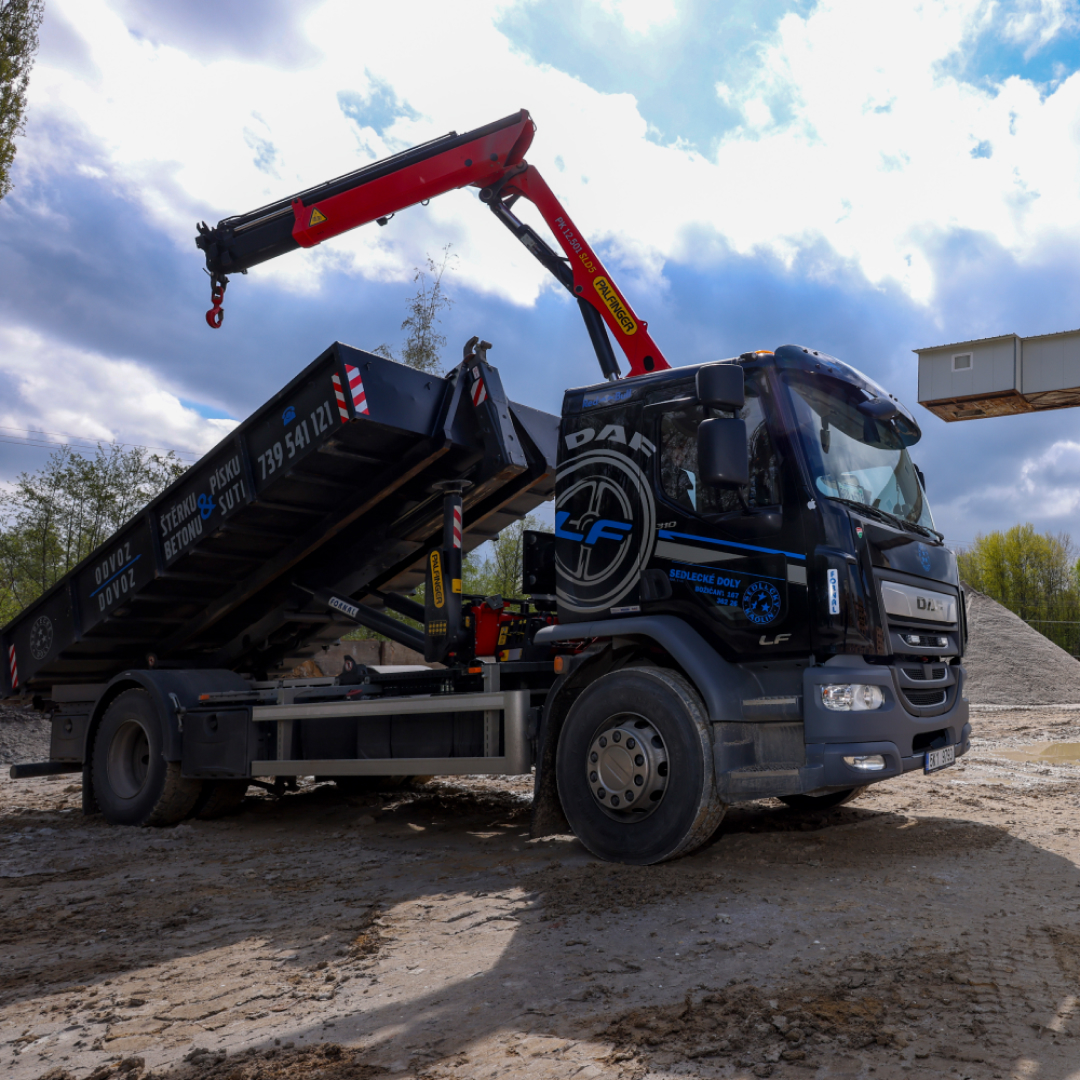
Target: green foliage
{"x":423,"y":342}
{"x":19,"y":22}
{"x":1034,"y":575}
{"x":499,"y":572}
{"x":52,"y":519}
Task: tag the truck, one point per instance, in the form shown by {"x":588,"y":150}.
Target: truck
{"x":744,"y":595}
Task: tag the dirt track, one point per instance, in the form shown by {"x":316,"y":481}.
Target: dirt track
{"x":932,"y":928}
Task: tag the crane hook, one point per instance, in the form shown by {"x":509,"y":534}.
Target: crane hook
{"x":215,"y":315}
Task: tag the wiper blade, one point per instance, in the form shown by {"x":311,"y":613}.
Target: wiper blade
{"x":865,"y":508}
{"x":886,"y":516}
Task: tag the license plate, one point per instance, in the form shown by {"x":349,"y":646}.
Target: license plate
{"x":940,"y":759}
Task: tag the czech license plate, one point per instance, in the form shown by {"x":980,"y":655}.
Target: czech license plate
{"x":939,"y":759}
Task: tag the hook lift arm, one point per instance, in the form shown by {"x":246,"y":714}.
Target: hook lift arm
{"x":491,"y":158}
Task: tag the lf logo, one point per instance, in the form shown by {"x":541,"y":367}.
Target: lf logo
{"x":778,"y":640}
{"x":600,"y":529}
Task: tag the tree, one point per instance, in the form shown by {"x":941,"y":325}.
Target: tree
{"x":54,"y":518}
{"x":1034,"y":575}
{"x":499,"y":572}
{"x":496,"y":572}
{"x":19,"y":23}
{"x":423,"y":342}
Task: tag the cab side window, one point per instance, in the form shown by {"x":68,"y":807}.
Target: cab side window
{"x":679,"y":468}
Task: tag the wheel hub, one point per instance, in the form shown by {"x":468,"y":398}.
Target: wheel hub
{"x":128,"y":759}
{"x":627,"y":767}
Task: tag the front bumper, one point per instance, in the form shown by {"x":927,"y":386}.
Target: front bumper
{"x":893,"y":731}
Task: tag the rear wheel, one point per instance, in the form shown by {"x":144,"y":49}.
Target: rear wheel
{"x":634,"y":767}
{"x":822,"y":802}
{"x":133,"y":783}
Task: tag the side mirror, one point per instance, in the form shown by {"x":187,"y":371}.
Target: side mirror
{"x":879,"y":409}
{"x":723,"y":459}
{"x":721,"y":386}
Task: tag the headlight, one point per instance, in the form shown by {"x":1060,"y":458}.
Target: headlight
{"x":852,"y":697}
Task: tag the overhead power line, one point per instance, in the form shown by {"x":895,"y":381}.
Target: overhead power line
{"x":79,"y":442}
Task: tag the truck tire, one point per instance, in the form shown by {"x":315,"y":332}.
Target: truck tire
{"x":827,"y":801}
{"x":220,"y":798}
{"x":133,"y":783}
{"x":634,"y":767}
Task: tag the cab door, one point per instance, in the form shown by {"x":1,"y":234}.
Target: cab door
{"x":734,"y":563}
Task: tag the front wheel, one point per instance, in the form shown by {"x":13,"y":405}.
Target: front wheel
{"x":822,"y":802}
{"x":133,"y":783}
{"x":634,"y":767}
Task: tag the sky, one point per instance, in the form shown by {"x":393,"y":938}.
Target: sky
{"x":861,"y":177}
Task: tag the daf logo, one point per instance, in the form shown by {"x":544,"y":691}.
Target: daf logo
{"x":924,"y":603}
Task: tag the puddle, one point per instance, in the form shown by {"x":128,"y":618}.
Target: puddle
{"x":1061,"y":753}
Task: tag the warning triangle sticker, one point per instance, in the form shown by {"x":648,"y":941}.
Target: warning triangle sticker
{"x":316,"y":217}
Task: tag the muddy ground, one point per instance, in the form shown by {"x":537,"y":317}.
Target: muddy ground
{"x":931,"y":928}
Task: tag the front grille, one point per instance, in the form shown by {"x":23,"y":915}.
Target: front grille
{"x":919,"y":673}
{"x":925,"y":698}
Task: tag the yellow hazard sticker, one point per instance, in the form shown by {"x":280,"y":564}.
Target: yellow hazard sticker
{"x":615,"y":304}
{"x":438,"y":595}
{"x":455,"y":585}
{"x":317,"y":218}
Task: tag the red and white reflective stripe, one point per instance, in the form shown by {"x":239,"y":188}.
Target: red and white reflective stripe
{"x":14,"y":668}
{"x":479,"y":390}
{"x":356,"y":392}
{"x":356,"y":389}
{"x":457,"y":526}
{"x":342,"y":408}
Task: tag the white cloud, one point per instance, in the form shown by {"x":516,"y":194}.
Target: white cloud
{"x":1040,"y":488}
{"x":640,"y":16}
{"x":757,"y":113}
{"x":853,"y":135}
{"x":73,"y":392}
{"x":1037,"y":22}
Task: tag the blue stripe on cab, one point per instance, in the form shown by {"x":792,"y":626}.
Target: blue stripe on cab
{"x":668,"y":534}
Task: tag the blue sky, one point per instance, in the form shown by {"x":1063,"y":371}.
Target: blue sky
{"x":861,"y":177}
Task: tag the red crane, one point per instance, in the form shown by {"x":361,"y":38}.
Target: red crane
{"x":491,"y":158}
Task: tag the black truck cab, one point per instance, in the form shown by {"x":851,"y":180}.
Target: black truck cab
{"x":781,"y":550}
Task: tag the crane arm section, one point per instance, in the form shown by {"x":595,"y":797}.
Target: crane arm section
{"x":491,"y":158}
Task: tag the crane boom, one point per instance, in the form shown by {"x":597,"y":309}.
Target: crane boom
{"x":491,"y":158}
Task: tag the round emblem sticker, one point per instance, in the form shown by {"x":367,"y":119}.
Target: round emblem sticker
{"x":605,"y":528}
{"x":761,"y":602}
{"x":41,"y":637}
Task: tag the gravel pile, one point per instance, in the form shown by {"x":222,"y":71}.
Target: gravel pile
{"x":1009,"y":663}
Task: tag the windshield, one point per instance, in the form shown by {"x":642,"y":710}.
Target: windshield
{"x":852,"y":456}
